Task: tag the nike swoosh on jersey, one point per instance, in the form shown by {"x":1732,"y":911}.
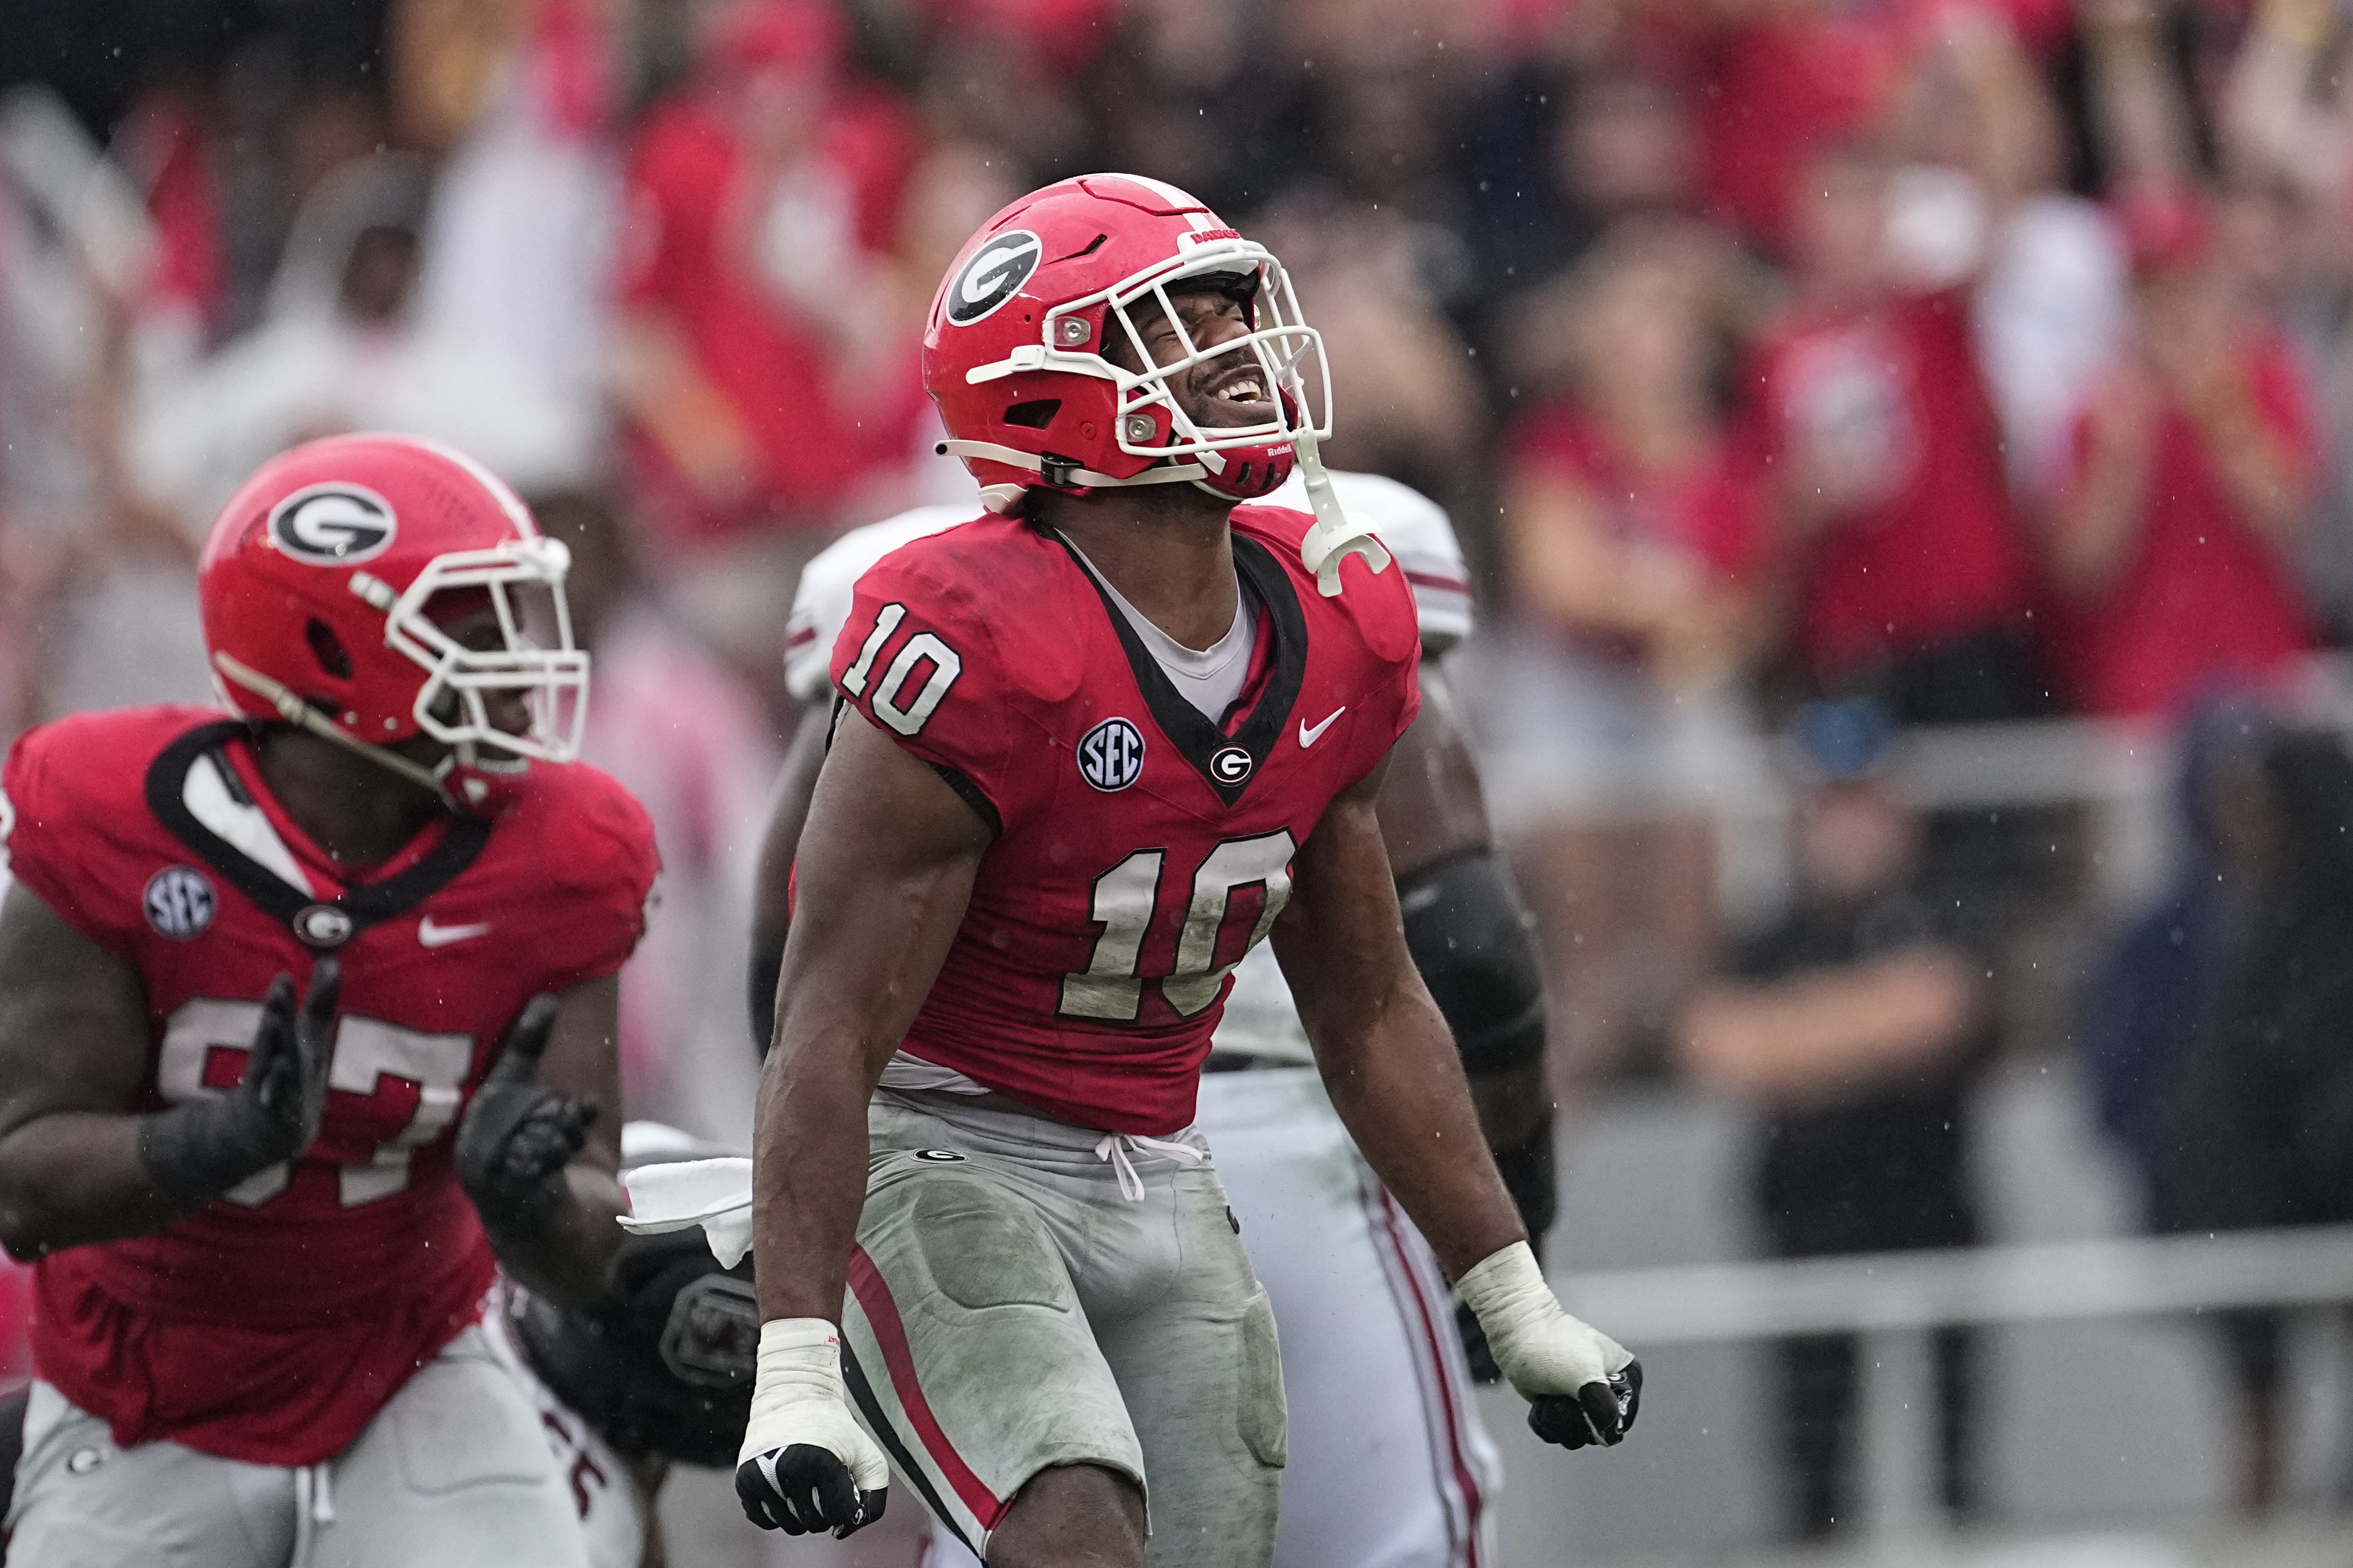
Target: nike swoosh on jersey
{"x":1308,"y":736}
{"x":432,"y":935}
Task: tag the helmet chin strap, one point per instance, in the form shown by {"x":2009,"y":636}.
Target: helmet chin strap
{"x":296,"y":711}
{"x":1333,"y":536}
{"x":989,"y":451}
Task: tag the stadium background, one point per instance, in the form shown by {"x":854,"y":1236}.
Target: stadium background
{"x":1944,"y":405}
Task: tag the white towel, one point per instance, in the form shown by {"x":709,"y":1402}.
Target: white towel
{"x":713,"y":1193}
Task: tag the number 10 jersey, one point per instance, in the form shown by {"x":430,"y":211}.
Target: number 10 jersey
{"x":1141,"y":849}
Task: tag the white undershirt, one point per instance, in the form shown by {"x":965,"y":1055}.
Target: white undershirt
{"x":1209,"y":678}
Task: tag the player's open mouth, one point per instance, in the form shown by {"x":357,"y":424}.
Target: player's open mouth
{"x":1238,"y":395}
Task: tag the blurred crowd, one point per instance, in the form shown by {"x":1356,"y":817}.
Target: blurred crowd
{"x":1792,"y":368}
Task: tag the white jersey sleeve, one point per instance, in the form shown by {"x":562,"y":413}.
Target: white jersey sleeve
{"x":1417,"y":531}
{"x":821,"y":603}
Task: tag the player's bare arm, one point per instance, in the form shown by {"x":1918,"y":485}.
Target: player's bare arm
{"x":886,"y":867}
{"x":1382,"y":1047}
{"x":772,"y":896}
{"x":1391,"y":1068}
{"x":77,"y":1163}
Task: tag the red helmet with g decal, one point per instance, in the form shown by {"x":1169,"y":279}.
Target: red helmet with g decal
{"x":324,"y":584}
{"x":1015,"y":350}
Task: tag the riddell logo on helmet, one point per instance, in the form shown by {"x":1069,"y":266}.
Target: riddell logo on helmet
{"x":332,"y":525}
{"x":994,"y":274}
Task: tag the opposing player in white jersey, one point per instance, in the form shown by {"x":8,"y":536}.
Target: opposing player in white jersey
{"x":1388,"y":1462}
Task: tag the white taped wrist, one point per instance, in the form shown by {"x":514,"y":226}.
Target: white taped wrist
{"x":1536,"y":1345}
{"x":797,"y":1397}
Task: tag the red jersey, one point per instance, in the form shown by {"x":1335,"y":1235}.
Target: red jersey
{"x":1141,"y":849}
{"x":272,"y":1324}
{"x":771,"y":362}
{"x":1935,"y":554}
{"x":2204,"y":598}
{"x":1706,"y":510}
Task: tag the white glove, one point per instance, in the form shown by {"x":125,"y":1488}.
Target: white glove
{"x":1582,"y":1386}
{"x":806,"y":1465}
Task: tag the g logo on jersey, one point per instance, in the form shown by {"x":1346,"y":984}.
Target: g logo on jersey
{"x":1110,"y":755}
{"x":995,"y":273}
{"x":180,"y":902}
{"x":323,"y":925}
{"x":333,"y":525}
{"x":1230,"y":766}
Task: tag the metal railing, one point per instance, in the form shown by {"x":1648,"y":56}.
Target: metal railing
{"x":1895,"y":1301}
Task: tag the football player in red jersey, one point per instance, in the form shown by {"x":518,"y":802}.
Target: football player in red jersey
{"x":1093,"y":748}
{"x":265,"y":1226}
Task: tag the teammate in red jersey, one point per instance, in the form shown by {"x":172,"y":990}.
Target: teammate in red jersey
{"x":265,"y":1229}
{"x":1095,"y":748}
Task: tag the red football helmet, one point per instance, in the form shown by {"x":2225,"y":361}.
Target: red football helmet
{"x":1013,"y":353}
{"x":319,"y":584}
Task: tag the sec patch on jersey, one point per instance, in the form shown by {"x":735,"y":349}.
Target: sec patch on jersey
{"x":1110,"y":755}
{"x":180,"y":902}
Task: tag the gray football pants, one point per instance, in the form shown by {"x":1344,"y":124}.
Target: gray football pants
{"x":453,"y":1473}
{"x":1027,"y":1294}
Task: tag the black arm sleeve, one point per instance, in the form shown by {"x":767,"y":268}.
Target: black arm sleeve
{"x":1470,"y":938}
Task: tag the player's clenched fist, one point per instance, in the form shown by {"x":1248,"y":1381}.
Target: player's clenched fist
{"x":806,"y":1465}
{"x":519,"y":1134}
{"x":1582,"y":1386}
{"x":197,"y":1151}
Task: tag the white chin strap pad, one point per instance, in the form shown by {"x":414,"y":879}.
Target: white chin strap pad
{"x":1333,"y":538}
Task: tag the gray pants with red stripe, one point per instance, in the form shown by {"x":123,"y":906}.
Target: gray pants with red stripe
{"x":1027,"y":1294}
{"x":1390,"y":1466}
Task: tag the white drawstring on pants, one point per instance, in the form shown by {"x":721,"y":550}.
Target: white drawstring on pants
{"x":314,"y":1505}
{"x":1115,"y":1146}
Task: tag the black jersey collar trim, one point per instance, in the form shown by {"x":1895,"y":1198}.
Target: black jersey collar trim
{"x":1196,"y":740}
{"x":362,"y":906}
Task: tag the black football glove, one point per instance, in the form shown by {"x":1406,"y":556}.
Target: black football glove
{"x":519,"y":1134}
{"x":197,"y":1151}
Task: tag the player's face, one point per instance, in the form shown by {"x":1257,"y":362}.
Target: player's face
{"x":1229,"y":390}
{"x":478,"y":630}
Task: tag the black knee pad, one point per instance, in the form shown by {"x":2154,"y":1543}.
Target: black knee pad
{"x":1470,"y":938}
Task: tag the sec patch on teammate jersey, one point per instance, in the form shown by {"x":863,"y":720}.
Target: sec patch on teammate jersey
{"x":180,"y":902}
{"x":1110,"y":755}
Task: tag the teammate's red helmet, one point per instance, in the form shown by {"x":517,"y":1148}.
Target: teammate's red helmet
{"x":1013,"y":353}
{"x":318,"y":583}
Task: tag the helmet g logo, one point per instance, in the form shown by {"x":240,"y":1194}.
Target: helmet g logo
{"x":995,"y":273}
{"x":332,"y":525}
